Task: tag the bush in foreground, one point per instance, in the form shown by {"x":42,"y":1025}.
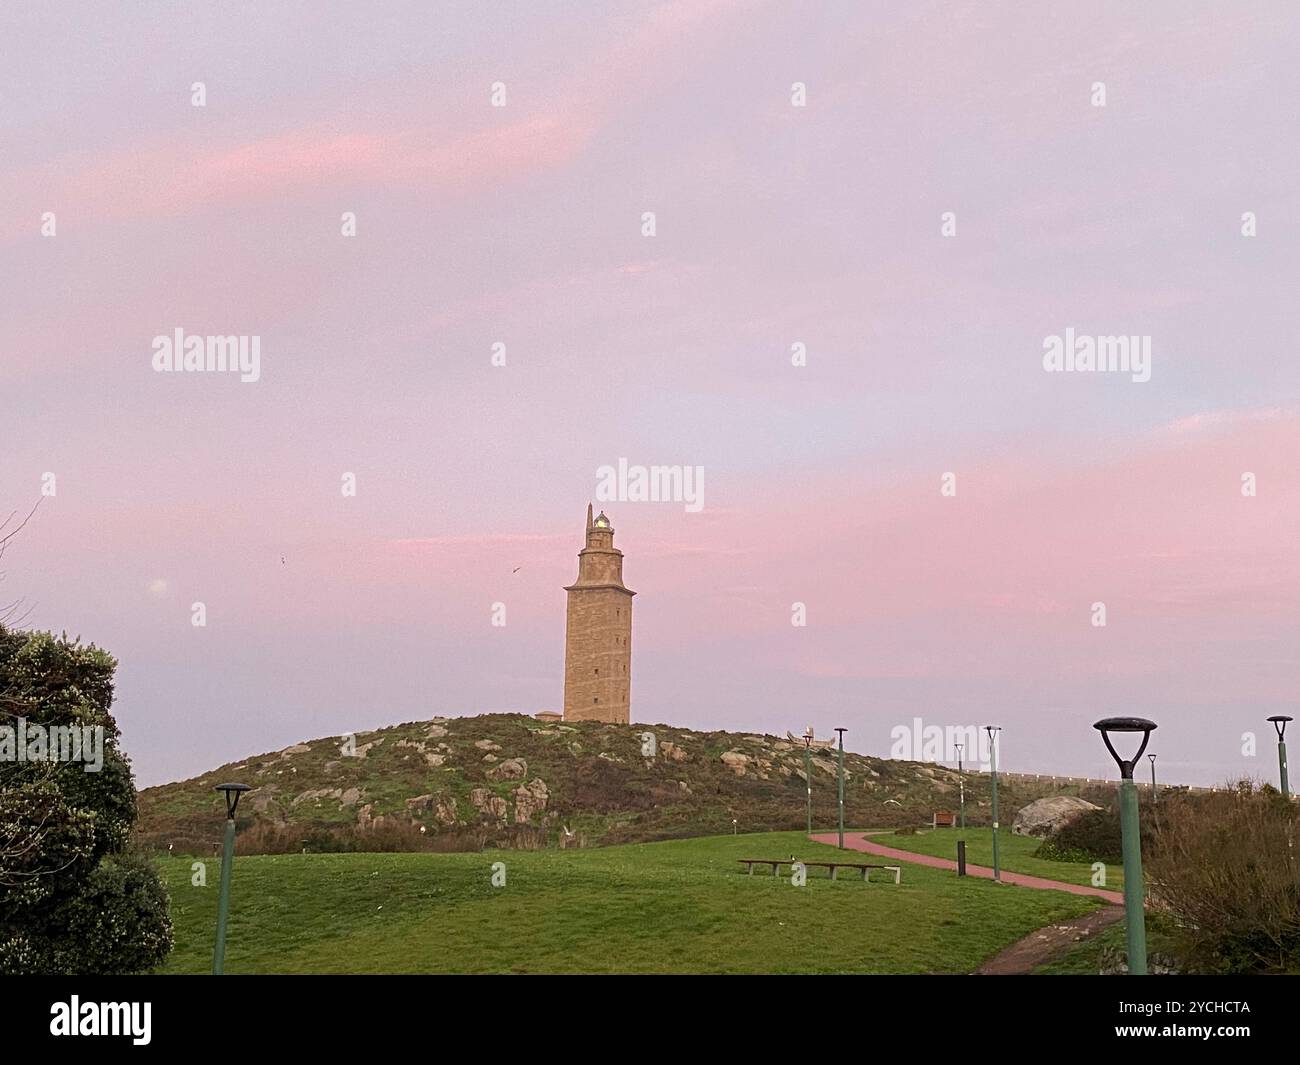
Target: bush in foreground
{"x":73,"y":898}
{"x":1225,"y":869}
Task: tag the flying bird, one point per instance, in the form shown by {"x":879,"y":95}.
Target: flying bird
{"x":516,"y":569}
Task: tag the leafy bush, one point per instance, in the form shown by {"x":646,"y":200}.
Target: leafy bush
{"x":1224,"y":867}
{"x":1094,"y":836}
{"x":73,"y":899}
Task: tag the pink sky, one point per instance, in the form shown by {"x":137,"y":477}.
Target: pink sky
{"x":775,"y":225}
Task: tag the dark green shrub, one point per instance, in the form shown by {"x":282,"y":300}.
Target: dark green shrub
{"x":1093,"y":836}
{"x":73,"y":900}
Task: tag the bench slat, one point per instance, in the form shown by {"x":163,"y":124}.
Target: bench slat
{"x":866,"y":867}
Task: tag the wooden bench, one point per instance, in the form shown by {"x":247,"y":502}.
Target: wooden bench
{"x":943,"y":819}
{"x":865,"y":867}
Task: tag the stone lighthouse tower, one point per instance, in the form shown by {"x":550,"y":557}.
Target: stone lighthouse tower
{"x":598,"y":632}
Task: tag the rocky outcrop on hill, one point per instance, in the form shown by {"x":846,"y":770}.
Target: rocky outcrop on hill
{"x":507,"y":780}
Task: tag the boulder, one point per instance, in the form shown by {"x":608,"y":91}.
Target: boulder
{"x":735,"y":761}
{"x":445,"y":811}
{"x":487,"y":803}
{"x":530,"y":799}
{"x":261,"y":798}
{"x":1042,"y":817}
{"x":318,"y":793}
{"x":510,"y":769}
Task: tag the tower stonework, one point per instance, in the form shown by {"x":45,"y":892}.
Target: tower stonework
{"x":598,"y":632}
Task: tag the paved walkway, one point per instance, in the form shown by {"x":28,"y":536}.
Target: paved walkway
{"x":858,"y":842}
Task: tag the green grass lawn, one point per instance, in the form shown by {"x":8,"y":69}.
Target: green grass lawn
{"x":1015,"y":852}
{"x":684,"y":906}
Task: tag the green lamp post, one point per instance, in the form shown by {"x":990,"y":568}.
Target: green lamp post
{"x":1279,"y":723}
{"x":1134,"y":916}
{"x":961,"y":789}
{"x":841,"y":731}
{"x":232,"y":792}
{"x":807,"y":770}
{"x":993,"y":731}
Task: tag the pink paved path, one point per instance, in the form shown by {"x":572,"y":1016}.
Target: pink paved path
{"x":861,"y":843}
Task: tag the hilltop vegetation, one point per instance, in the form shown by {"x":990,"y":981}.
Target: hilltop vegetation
{"x":510,"y":780}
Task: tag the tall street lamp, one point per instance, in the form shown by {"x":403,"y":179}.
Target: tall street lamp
{"x":1279,"y":723}
{"x":1134,"y":917}
{"x":993,"y":730}
{"x":961,"y":788}
{"x":841,"y":731}
{"x":232,"y":792}
{"x":807,"y":770}
{"x":1155,"y":798}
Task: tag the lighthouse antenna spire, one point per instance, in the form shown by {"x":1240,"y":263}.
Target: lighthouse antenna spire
{"x":589,"y":519}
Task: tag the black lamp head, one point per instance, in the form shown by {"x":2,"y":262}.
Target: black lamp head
{"x":1125,"y":724}
{"x":232,"y":793}
{"x":1279,"y":723}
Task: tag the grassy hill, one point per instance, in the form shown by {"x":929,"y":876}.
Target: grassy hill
{"x":684,"y":906}
{"x":507,"y":780}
